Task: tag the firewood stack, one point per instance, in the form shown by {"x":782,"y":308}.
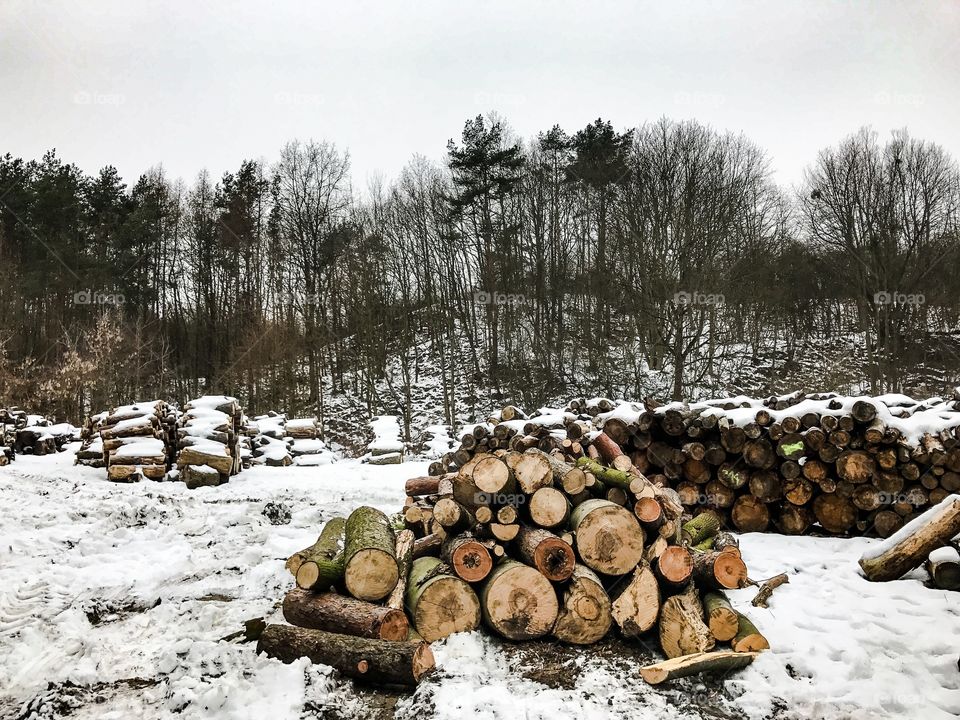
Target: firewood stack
{"x":208,"y":444}
{"x":819,"y":463}
{"x":270,"y":444}
{"x":136,"y":441}
{"x":306,"y":447}
{"x":531,"y":544}
{"x":11,"y":419}
{"x":91,"y":444}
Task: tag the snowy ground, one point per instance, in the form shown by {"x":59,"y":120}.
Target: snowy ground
{"x":113,"y":599}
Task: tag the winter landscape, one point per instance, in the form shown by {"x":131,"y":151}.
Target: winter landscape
{"x":491,"y":361}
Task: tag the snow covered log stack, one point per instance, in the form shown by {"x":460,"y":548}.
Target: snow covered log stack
{"x":136,"y":440}
{"x":821,"y":463}
{"x":529,"y":545}
{"x":11,"y":420}
{"x":91,"y":444}
{"x":386,"y":448}
{"x":208,"y":444}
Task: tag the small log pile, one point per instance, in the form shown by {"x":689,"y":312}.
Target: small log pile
{"x":305,"y":445}
{"x":34,"y":434}
{"x":386,"y":448}
{"x":91,"y":444}
{"x":137,"y":440}
{"x":208,"y":443}
{"x":530,"y":544}
{"x":11,"y":420}
{"x":269,"y":443}
{"x":795,"y":464}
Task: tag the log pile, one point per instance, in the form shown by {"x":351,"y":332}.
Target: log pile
{"x":305,"y":445}
{"x":530,"y":545}
{"x":386,"y":448}
{"x":269,"y":442}
{"x":11,"y":420}
{"x":208,"y":446}
{"x":91,"y":452}
{"x":137,"y":440}
{"x":794,"y":464}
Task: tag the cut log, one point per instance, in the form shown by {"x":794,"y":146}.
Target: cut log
{"x":323,"y":567}
{"x":549,"y":508}
{"x":427,"y":545}
{"x":704,"y":525}
{"x":467,"y":556}
{"x":439,"y":603}
{"x":748,"y":638}
{"x":328,"y":544}
{"x":375,"y":661}
{"x":546,"y":552}
{"x":674,"y":566}
{"x":338,"y":613}
{"x":638,"y":606}
{"x":585,"y":613}
{"x":681,"y":627}
{"x":531,"y":469}
{"x":722,"y":619}
{"x":835,"y":513}
{"x":766,"y":590}
{"x":609,"y":537}
{"x":718,"y":570}
{"x":492,"y":476}
{"x":750,"y":514}
{"x":370,"y":563}
{"x":518,"y":602}
{"x":720,"y":661}
{"x":943,"y":564}
{"x":404,"y":553}
{"x":912,"y":544}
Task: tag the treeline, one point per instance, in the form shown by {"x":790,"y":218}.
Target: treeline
{"x":589,"y":260}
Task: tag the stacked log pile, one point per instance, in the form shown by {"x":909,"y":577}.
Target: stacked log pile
{"x":91,"y":444}
{"x":11,"y":420}
{"x":208,"y":444}
{"x":386,"y":448}
{"x":306,"y":447}
{"x":270,"y":444}
{"x":36,"y":434}
{"x":137,"y":441}
{"x":819,"y":463}
{"x":530,"y":544}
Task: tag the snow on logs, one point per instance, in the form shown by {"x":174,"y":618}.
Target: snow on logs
{"x":819,"y":463}
{"x":137,"y":440}
{"x":208,"y":446}
{"x":528,"y":545}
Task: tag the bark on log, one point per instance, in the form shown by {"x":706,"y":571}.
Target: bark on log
{"x":718,"y":570}
{"x":404,"y":553}
{"x":370,"y":562}
{"x":748,"y":638}
{"x":546,"y":552}
{"x":329,"y":544}
{"x":720,"y":661}
{"x":468,"y":557}
{"x":722,"y":619}
{"x":338,"y":613}
{"x":913,"y":543}
{"x":375,"y":661}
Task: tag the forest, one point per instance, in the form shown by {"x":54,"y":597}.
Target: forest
{"x":577,"y":261}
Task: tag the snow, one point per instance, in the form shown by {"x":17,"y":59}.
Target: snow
{"x":102,"y":582}
{"x":302,"y":424}
{"x":141,"y":447}
{"x":878,"y":549}
{"x":439,"y":442}
{"x":946,"y":554}
{"x":386,"y":435}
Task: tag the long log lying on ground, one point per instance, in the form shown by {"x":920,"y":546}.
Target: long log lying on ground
{"x":685,"y":665}
{"x":910,"y":546}
{"x":339,"y":613}
{"x":376,"y":661}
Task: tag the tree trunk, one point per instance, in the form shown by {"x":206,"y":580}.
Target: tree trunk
{"x":439,"y":603}
{"x":518,"y":602}
{"x":374,"y":661}
{"x":585,"y":612}
{"x":338,"y":613}
{"x":370,"y":562}
{"x":721,"y":661}
{"x":609,"y":537}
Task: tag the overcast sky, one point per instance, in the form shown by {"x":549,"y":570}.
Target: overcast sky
{"x":208,"y":83}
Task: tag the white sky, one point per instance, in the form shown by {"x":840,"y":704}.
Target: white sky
{"x":208,"y":83}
